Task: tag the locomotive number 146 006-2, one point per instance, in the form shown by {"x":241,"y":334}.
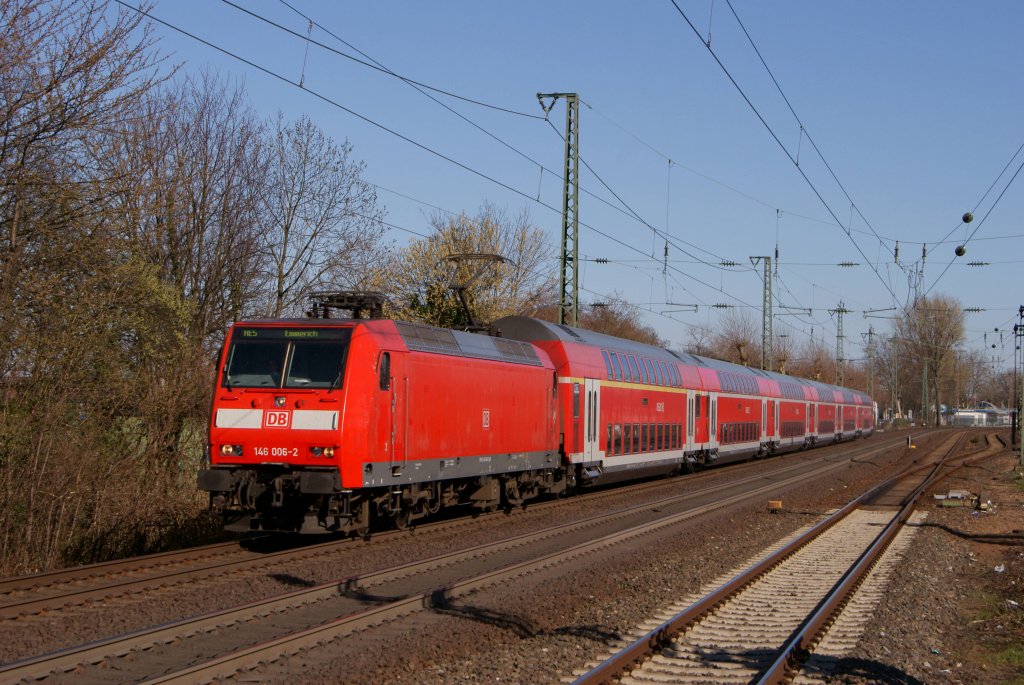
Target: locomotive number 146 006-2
{"x":276,"y":451}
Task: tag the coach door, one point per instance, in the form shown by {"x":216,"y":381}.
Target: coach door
{"x":775,"y":422}
{"x":591,"y":420}
{"x":689,"y":421}
{"x":713,"y":420}
{"x":764,"y":419}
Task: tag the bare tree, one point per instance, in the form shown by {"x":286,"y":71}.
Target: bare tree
{"x":421,"y":276}
{"x":815,"y":361}
{"x":735,"y":338}
{"x":700,"y":341}
{"x":323,"y":225}
{"x":783,"y":352}
{"x":931,"y":329}
{"x":67,"y":69}
{"x":616,"y":317}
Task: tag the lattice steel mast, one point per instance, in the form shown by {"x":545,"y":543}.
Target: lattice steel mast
{"x":767,"y":337}
{"x":568,"y":311}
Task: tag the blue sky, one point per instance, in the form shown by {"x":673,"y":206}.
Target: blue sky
{"x":916,"y":106}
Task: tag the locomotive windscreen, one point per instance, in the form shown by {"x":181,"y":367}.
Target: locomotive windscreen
{"x":286,"y":357}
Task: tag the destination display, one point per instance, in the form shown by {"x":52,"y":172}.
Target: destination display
{"x":275,"y":333}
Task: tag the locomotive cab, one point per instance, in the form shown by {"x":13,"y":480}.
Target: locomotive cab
{"x":277,"y":406}
{"x":321,"y":426}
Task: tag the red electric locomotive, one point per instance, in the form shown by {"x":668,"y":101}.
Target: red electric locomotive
{"x":322,"y":425}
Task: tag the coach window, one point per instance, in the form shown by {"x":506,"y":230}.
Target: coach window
{"x":385,"y":371}
{"x":661,"y":436}
{"x":651,"y":437}
{"x":643,"y":438}
{"x":618,"y":438}
{"x":636,"y":438}
{"x":627,"y":443}
{"x":617,"y":365}
{"x":635,"y":369}
{"x":608,"y":444}
{"x":607,"y":363}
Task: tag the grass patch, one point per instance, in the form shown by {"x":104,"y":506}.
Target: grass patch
{"x":1012,"y":656}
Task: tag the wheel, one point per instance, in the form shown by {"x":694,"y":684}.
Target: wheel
{"x":400,"y":519}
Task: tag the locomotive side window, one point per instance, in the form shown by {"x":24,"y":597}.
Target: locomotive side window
{"x":385,"y":371}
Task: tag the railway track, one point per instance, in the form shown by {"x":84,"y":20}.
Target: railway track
{"x":222,"y":642}
{"x":54,"y":591}
{"x":755,"y":626}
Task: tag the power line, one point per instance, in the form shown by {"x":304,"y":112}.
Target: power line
{"x":376,"y":65}
{"x":978,"y":203}
{"x":782,"y":146}
{"x":637,"y":217}
{"x":409,"y":140}
{"x":803,"y":129}
{"x":980,"y":223}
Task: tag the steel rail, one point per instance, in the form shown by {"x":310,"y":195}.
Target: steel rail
{"x":71,"y":658}
{"x":118,"y":587}
{"x":655,"y":640}
{"x":807,"y":635}
{"x":255,"y":656}
{"x":31,"y":581}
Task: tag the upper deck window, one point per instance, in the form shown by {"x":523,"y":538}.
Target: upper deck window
{"x":618,"y":366}
{"x":650,"y":371}
{"x":286,"y":358}
{"x":636,"y":371}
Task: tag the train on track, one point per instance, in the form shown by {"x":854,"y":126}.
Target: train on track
{"x":330,"y":424}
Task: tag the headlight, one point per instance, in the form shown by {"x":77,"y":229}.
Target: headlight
{"x":231,"y":450}
{"x":322,"y":451}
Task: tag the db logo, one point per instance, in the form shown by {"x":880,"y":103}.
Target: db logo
{"x":276,"y":419}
